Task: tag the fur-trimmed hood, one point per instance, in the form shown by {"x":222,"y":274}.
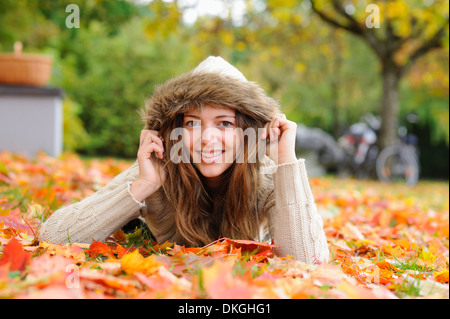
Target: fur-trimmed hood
{"x":218,"y":84}
{"x":212,"y":86}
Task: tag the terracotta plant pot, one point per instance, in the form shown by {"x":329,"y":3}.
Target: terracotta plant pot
{"x":24,"y":69}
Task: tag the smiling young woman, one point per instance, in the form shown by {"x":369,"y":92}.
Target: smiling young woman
{"x":220,"y":188}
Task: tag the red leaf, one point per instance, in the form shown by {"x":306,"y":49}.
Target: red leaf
{"x":14,"y":223}
{"x":99,"y":248}
{"x":15,"y":255}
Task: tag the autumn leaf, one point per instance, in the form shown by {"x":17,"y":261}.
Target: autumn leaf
{"x":106,"y":279}
{"x":135,"y":262}
{"x":73,"y":251}
{"x":396,"y":251}
{"x":119,"y":236}
{"x":442,"y":276}
{"x":164,"y":283}
{"x":15,"y":256}
{"x":98,"y":248}
{"x":386,"y":265}
{"x":385,"y":242}
{"x":249,"y":245}
{"x":51,"y":268}
{"x":14,"y":223}
{"x":219,"y":282}
{"x":121,"y":251}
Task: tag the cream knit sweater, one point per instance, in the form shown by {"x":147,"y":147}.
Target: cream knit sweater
{"x":294,"y":223}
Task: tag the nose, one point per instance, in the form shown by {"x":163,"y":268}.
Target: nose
{"x":211,"y":135}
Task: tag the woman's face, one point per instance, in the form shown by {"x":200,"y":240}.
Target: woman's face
{"x":212,"y":139}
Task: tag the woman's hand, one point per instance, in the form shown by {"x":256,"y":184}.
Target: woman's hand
{"x":148,"y":181}
{"x":281,"y":133}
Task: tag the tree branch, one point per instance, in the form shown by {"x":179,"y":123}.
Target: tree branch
{"x":433,"y":43}
{"x":333,"y":22}
{"x":353,"y":27}
{"x":392,"y":42}
{"x":353,"y":23}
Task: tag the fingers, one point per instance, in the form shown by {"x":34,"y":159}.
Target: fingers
{"x":274,"y":128}
{"x":146,"y":151}
{"x":149,"y":143}
{"x":146,"y":133}
{"x":270,"y":130}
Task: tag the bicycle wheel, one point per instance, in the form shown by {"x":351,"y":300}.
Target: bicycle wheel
{"x":397,"y":164}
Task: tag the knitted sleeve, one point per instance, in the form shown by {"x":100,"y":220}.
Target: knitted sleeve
{"x":296,"y":226}
{"x":95,"y":217}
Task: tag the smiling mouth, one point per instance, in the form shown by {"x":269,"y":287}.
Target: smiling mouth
{"x":210,"y":157}
{"x":212,"y":154}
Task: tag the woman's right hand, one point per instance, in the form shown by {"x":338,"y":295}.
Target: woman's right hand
{"x":148,"y":181}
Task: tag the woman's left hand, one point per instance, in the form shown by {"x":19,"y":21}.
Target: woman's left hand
{"x":281,"y":133}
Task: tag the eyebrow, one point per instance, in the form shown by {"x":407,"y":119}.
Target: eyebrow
{"x":219,"y":116}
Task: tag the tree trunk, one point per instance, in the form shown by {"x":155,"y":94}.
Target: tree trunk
{"x":336,"y":77}
{"x":390,"y":105}
{"x":335,"y":108}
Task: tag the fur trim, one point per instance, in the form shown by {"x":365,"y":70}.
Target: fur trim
{"x":196,"y":89}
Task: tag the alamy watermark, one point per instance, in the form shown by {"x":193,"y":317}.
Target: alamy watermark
{"x":181,"y":150}
{"x":73,"y":19}
{"x":73,"y":276}
{"x":373,"y":19}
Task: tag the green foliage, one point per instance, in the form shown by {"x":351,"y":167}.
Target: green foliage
{"x":119,"y":73}
{"x":318,"y":97}
{"x":432,"y":110}
{"x":75,"y":136}
{"x":323,"y":77}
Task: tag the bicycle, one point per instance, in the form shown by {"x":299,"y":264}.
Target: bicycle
{"x":399,"y":162}
{"x":360,"y":148}
{"x":363,"y":159}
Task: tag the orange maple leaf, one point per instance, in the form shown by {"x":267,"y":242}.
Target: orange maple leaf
{"x":15,"y":255}
{"x":441,"y":276}
{"x":396,"y":251}
{"x":388,"y":266}
{"x":99,"y":248}
{"x":121,"y":251}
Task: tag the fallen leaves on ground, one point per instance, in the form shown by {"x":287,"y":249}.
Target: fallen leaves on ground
{"x":385,"y":241}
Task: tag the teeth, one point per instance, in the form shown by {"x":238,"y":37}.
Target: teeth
{"x":216,"y":153}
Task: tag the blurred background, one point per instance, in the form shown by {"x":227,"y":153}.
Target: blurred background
{"x":328,"y":62}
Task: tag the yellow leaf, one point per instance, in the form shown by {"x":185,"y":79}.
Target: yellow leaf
{"x":135,"y":262}
{"x":426,"y":258}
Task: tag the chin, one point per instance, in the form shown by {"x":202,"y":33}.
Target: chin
{"x":212,"y":170}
